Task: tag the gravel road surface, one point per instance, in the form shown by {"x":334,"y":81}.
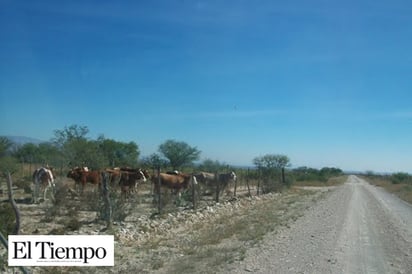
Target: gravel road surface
{"x":357,"y":228}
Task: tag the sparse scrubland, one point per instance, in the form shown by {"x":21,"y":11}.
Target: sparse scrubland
{"x":177,"y":240}
{"x":399,"y":184}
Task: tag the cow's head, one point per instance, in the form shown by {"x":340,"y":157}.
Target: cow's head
{"x":142,"y":176}
{"x":233,"y":176}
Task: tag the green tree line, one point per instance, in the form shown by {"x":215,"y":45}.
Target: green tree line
{"x":71,"y":147}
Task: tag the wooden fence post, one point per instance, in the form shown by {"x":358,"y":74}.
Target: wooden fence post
{"x":247,"y":183}
{"x":13,"y":203}
{"x":107,"y":204}
{"x":159,"y":200}
{"x":5,"y":243}
{"x":217,"y":187}
{"x":17,"y":214}
{"x":193,"y":192}
{"x":234,"y":191}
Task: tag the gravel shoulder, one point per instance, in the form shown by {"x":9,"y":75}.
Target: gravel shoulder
{"x":357,"y":228}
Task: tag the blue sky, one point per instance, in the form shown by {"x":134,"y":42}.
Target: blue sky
{"x":327,"y":83}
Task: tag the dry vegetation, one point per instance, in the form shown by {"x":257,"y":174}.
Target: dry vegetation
{"x":215,"y":236}
{"x":182,"y":241}
{"x":401,"y":189}
{"x":333,"y":181}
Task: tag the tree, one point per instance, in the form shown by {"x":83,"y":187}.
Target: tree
{"x":76,"y":149}
{"x":272,"y":161}
{"x":269,"y":166}
{"x":154,"y":161}
{"x":118,"y":153}
{"x":330,"y":171}
{"x":69,"y":134}
{"x":82,"y":152}
{"x":211,"y":166}
{"x":179,"y":153}
{"x":401,"y":177}
{"x":27,"y":153}
{"x":7,"y":163}
{"x":5,"y":145}
{"x":49,"y":154}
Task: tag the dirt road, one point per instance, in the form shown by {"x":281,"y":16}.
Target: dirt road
{"x":358,"y":228}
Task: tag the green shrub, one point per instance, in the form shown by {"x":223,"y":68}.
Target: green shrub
{"x":73,"y":224}
{"x":3,"y":262}
{"x":8,"y":219}
{"x":401,"y":177}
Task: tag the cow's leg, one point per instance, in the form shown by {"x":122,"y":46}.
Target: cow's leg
{"x":77,"y":187}
{"x":45,"y":192}
{"x":122,"y":192}
{"x":178,"y":200}
{"x":35,"y":193}
{"x":49,"y":188}
{"x":128,"y":192}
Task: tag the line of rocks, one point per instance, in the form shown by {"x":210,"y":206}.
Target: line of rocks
{"x":145,"y":227}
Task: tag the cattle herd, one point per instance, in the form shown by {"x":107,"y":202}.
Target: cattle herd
{"x":127,"y":180}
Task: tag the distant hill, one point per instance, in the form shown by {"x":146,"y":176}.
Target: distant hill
{"x":21,"y":140}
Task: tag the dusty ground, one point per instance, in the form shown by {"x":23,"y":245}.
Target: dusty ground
{"x":352,"y":228}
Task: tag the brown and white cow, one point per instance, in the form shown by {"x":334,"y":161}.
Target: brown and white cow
{"x":130,"y":178}
{"x":126,"y":178}
{"x":43,"y":178}
{"x":173,"y":181}
{"x":82,"y":175}
{"x":115,"y":175}
{"x":209,"y":179}
{"x":226,"y":178}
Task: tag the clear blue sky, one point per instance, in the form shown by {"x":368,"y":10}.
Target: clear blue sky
{"x":328,"y":83}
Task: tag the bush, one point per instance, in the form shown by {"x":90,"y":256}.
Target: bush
{"x":73,"y":224}
{"x":50,"y":213}
{"x":311,"y":174}
{"x":185,"y":199}
{"x":8,"y":164}
{"x":3,"y":262}
{"x":288,"y":182}
{"x":120,"y":210}
{"x":401,"y":177}
{"x":90,"y":200}
{"x":8,"y":219}
{"x":270,"y":185}
{"x":24,"y":184}
{"x":60,"y":195}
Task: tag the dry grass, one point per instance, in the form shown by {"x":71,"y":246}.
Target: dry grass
{"x":209,"y":245}
{"x":334,"y":181}
{"x":402,"y":190}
